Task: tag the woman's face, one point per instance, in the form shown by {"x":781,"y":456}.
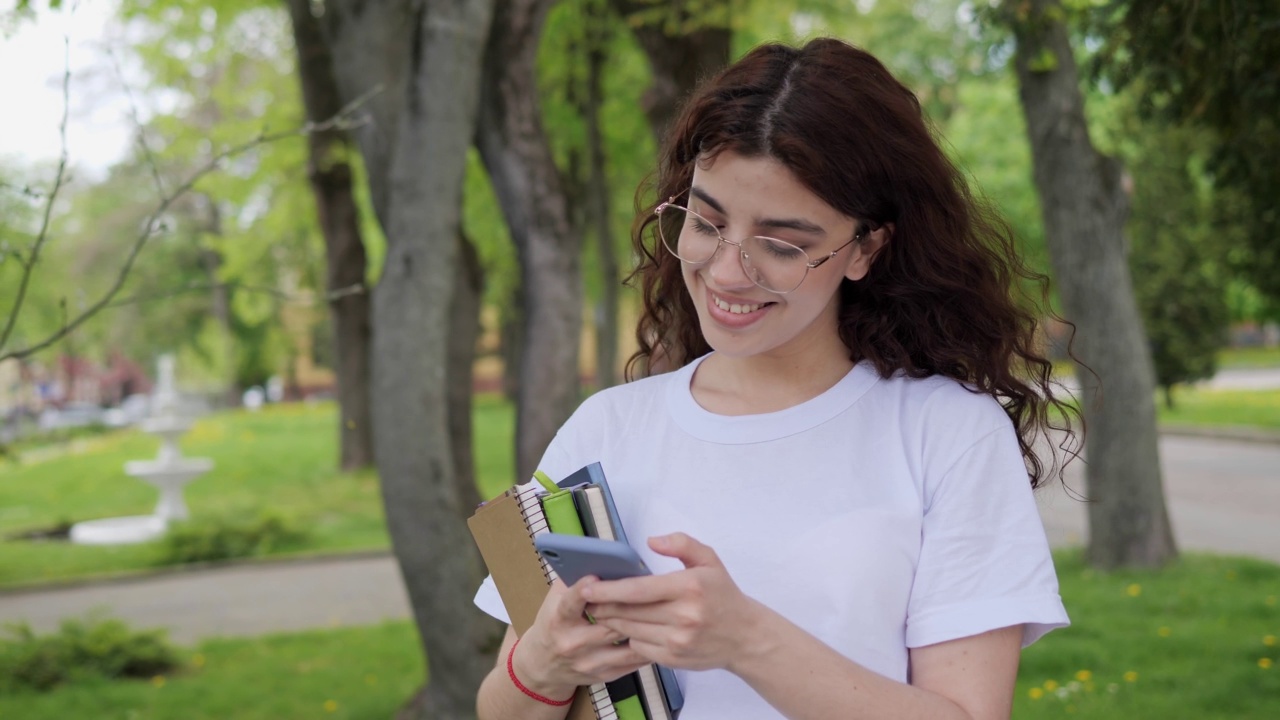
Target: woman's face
{"x":744,"y":196}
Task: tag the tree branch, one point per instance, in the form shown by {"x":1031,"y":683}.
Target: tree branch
{"x":344,"y":120}
{"x":329,"y":296}
{"x":28,"y":265}
{"x":137,"y":123}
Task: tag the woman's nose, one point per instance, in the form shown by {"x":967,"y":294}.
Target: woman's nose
{"x":726,"y":269}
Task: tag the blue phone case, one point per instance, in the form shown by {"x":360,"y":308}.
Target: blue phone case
{"x":574,"y":557}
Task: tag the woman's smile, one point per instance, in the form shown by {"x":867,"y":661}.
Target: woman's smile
{"x":735,"y":312}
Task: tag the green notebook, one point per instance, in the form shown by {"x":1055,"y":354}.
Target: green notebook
{"x":562,"y":517}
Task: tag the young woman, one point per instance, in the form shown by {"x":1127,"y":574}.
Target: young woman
{"x":835,"y":477}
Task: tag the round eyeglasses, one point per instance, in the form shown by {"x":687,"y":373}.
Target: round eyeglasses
{"x":775,"y":265}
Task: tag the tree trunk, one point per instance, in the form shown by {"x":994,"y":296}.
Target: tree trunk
{"x":426,"y":55}
{"x":464,"y":331}
{"x":1084,"y":207}
{"x":597,"y":204}
{"x":220,"y":297}
{"x":530,"y":190}
{"x":678,"y":62}
{"x":331,"y":182}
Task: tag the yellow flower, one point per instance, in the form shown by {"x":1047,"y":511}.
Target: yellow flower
{"x":1134,"y":590}
{"x":330,"y":706}
{"x":1231,"y":574}
{"x":1035,"y":693}
{"x":158,"y":681}
{"x":1271,"y":599}
{"x":1131,"y":676}
{"x":1268,"y":640}
{"x":371,"y":679}
{"x":1164,"y":631}
{"x":198,"y":660}
{"x":1084,"y":675}
{"x":1050,"y":685}
{"x":1264,"y":663}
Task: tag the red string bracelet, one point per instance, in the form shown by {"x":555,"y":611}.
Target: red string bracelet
{"x":512,"y":672}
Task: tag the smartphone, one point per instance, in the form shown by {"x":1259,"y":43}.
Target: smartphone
{"x":574,"y":557}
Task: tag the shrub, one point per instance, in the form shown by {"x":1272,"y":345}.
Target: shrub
{"x":225,"y":538}
{"x":104,"y":648}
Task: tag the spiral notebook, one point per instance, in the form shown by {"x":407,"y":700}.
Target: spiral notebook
{"x":503,"y":529}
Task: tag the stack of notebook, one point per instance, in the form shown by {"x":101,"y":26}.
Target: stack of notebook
{"x":581,"y":504}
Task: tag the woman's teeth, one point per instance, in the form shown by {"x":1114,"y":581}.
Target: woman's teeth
{"x":735,"y":307}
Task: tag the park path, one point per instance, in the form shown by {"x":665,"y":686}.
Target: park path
{"x":1224,"y":496}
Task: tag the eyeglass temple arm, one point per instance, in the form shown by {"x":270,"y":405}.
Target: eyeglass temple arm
{"x":832,"y":254}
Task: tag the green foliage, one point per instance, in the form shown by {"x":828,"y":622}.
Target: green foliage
{"x":234,"y":248}
{"x":1175,"y":260}
{"x":1215,"y":65}
{"x":229,"y":537}
{"x":81,"y":650}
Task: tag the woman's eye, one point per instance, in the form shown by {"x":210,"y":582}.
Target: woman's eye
{"x":704,"y":227}
{"x":780,"y":249}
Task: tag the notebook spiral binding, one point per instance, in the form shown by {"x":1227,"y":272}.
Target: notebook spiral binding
{"x":602,"y":704}
{"x":536,"y":521}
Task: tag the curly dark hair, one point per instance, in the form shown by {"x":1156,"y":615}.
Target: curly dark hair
{"x":944,"y":296}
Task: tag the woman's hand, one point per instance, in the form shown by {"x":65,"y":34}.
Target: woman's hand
{"x":696,"y":618}
{"x":562,"y":650}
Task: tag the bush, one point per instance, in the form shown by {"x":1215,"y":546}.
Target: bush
{"x":208,"y":540}
{"x":104,"y":648}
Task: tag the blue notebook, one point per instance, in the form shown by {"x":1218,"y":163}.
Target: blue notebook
{"x":593,"y":474}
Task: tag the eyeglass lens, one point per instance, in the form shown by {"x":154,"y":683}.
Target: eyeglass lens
{"x":772,"y":264}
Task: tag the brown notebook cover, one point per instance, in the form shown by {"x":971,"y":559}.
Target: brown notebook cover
{"x":500,"y":532}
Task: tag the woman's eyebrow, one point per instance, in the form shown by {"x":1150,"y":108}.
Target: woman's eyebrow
{"x":799,"y":224}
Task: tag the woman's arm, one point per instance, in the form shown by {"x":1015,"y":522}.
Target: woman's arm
{"x":698,"y":619}
{"x":967,"y":679}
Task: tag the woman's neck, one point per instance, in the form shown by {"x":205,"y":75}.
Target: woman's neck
{"x":762,"y":384}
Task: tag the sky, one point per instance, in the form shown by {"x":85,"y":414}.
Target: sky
{"x":32,"y":64}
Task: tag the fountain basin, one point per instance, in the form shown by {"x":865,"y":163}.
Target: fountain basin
{"x":171,"y":469}
{"x":118,"y":530}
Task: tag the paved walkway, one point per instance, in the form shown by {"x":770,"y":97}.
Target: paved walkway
{"x":1223,"y":497}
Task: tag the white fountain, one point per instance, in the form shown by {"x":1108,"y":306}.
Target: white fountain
{"x":169,"y":472}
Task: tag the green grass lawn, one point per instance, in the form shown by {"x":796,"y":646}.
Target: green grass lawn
{"x":1239,"y":408}
{"x":1252,"y":357}
{"x":282,"y":459}
{"x":1196,"y":640}
{"x":344,"y":674}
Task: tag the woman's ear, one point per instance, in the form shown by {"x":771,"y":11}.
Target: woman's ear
{"x":865,"y":252}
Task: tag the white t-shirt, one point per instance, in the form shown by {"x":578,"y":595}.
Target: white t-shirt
{"x":879,"y":516}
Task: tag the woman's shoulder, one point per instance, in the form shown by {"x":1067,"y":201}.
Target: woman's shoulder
{"x":611,"y":406}
{"x":938,"y":400}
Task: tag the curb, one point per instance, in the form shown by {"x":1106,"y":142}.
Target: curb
{"x":141,"y":576}
{"x":1240,"y":434}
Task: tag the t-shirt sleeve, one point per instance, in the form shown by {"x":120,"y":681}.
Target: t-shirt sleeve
{"x":984,"y":559}
{"x":557,"y":462}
